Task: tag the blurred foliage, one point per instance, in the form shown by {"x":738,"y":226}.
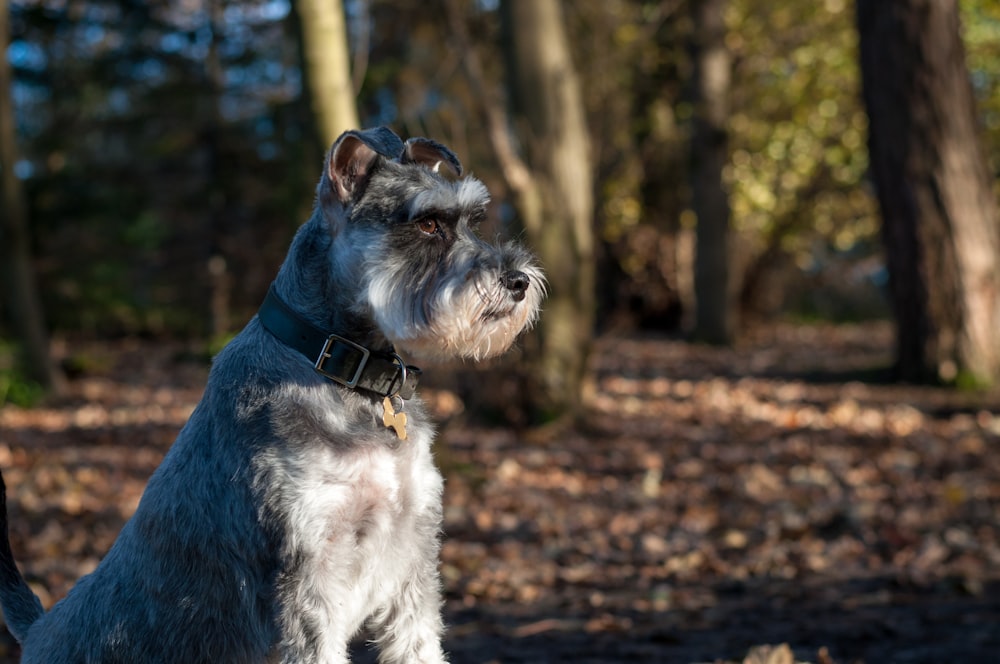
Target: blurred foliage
{"x":130,"y":147}
{"x":18,"y":390}
{"x":982,"y":38}
{"x":15,"y":387}
{"x":799,"y":129}
{"x":157,"y":135}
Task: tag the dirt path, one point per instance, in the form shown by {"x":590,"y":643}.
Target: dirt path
{"x":714,"y":500}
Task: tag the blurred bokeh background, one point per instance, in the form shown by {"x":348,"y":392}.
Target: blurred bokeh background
{"x":699,"y":166}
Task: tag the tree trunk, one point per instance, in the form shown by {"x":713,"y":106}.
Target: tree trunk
{"x":326,"y":59}
{"x":217,"y":276}
{"x":940,"y":222}
{"x":20,"y":291}
{"x":555,"y":200}
{"x":714,"y":299}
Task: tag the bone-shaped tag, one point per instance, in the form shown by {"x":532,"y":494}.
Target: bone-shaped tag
{"x":392,"y":419}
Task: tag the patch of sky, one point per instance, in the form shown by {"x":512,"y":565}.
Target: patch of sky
{"x":24,"y":169}
{"x":25,"y":55}
{"x":93,"y":34}
{"x":265,"y":12}
{"x":174,"y":42}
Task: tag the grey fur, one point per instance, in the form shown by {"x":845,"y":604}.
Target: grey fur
{"x":286,"y":517}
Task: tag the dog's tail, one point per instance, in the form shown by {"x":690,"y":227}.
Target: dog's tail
{"x":21,"y":607}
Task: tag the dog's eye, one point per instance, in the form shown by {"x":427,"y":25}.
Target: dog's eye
{"x":428,"y":225}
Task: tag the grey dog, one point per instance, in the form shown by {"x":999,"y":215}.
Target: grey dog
{"x":300,"y":503}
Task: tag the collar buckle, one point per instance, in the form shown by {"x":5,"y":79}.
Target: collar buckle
{"x":328,"y":353}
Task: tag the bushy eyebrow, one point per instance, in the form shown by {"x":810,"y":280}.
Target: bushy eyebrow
{"x":451,"y":216}
{"x":466,"y":197}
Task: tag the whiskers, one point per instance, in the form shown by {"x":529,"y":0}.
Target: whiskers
{"x":492,"y":295}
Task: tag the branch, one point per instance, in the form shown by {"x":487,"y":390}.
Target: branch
{"x":515,"y":171}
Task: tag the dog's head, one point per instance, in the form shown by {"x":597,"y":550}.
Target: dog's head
{"x":404,"y":222}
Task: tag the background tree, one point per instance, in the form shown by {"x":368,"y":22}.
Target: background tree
{"x":22,"y":305}
{"x":557,"y":213}
{"x":714,"y":303}
{"x":940,"y":222}
{"x":327,"y":63}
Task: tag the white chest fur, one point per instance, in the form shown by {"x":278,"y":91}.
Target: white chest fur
{"x":361,"y":512}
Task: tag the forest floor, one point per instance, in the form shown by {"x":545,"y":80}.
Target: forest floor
{"x":713,"y":500}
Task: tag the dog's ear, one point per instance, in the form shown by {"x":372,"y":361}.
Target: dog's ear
{"x":350,"y":164}
{"x":354,"y":156}
{"x":432,"y":155}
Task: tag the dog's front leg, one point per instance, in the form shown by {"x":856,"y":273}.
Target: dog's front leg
{"x":310,"y":647}
{"x":408,"y":630}
{"x":311,"y":633}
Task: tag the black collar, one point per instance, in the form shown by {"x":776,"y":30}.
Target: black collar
{"x":335,"y":357}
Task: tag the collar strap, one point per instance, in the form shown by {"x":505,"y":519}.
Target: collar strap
{"x":335,"y":357}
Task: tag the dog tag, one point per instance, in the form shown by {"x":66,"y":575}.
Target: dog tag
{"x":392,"y":419}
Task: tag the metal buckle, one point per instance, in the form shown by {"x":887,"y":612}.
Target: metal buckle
{"x":325,"y":354}
{"x":402,"y":382}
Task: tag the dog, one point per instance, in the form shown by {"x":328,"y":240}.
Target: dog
{"x":300,"y":504}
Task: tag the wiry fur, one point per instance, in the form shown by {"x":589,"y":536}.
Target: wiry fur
{"x":286,"y":517}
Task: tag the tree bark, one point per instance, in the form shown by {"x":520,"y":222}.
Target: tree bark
{"x":217,"y":276}
{"x":20,"y":290}
{"x":940,"y":221}
{"x":327,"y":63}
{"x":555,"y":197}
{"x":714,"y":298}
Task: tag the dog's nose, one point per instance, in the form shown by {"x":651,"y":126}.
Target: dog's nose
{"x":516,"y":282}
